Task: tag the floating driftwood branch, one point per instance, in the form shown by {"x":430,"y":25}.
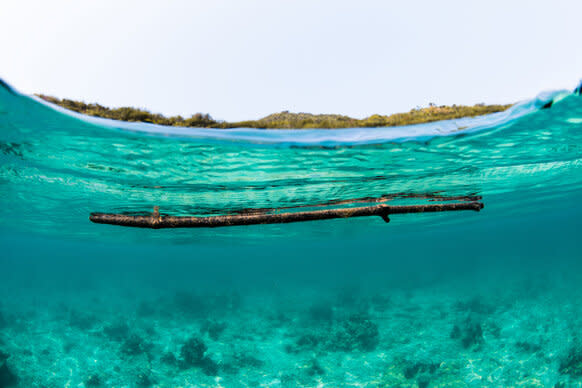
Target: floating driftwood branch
{"x":157,"y":221}
{"x":384,"y":198}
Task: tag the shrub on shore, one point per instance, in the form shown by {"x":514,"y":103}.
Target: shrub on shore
{"x":282,"y":120}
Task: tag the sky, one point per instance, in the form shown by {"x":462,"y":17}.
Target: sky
{"x":245,"y":59}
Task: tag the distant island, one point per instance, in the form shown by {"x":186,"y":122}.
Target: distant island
{"x":283,"y":120}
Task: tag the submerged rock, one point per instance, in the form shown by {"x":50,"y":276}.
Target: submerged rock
{"x":279,"y":319}
{"x":456,"y":332}
{"x":240,"y":360}
{"x":144,"y":380}
{"x":169,"y":359}
{"x":209,"y":366}
{"x":320,"y":312}
{"x":350,"y":298}
{"x":306,"y":342}
{"x":135,"y":345}
{"x":572,"y":363}
{"x":146,"y":309}
{"x":381,"y":302}
{"x":193,"y":354}
{"x":412,"y":369}
{"x":423,"y":381}
{"x":93,"y":381}
{"x":7,"y":377}
{"x":116,"y":331}
{"x":358,"y":332}
{"x":314,"y":368}
{"x":227,"y":301}
{"x":190,"y":304}
{"x":246,"y":360}
{"x":469,"y":333}
{"x":475,"y":305}
{"x":193,"y":351}
{"x":355,"y":333}
{"x":213,"y":329}
{"x":473,"y":335}
{"x":82,"y":320}
{"x":528,"y":347}
{"x":493,"y":328}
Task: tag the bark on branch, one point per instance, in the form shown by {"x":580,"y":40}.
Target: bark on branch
{"x":158,"y":221}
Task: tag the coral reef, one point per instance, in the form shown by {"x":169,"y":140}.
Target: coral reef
{"x":144,"y":380}
{"x":475,"y":305}
{"x":314,"y":368}
{"x":169,"y":358}
{"x":306,"y":342}
{"x":82,"y":320}
{"x":412,"y":369}
{"x":528,"y":347}
{"x":117,"y":331}
{"x":357,"y":332}
{"x":190,"y":304}
{"x":146,"y":310}
{"x":7,"y":376}
{"x":134,"y":345}
{"x":93,"y":381}
{"x":241,"y":360}
{"x":469,"y":332}
{"x":212,"y":328}
{"x":571,"y":364}
{"x":380,"y":302}
{"x":193,"y":354}
{"x":320,"y":312}
{"x":394,"y":338}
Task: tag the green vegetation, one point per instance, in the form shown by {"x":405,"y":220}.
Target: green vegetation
{"x":284,"y":119}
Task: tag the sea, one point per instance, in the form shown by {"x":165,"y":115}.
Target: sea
{"x":451,"y":299}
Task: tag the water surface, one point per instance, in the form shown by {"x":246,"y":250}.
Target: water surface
{"x":454,"y":299}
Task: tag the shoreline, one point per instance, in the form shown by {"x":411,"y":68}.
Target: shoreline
{"x":282,"y":120}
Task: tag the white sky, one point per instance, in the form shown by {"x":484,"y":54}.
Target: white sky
{"x":244,"y":59}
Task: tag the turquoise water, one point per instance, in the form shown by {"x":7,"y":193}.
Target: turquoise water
{"x":438,"y":300}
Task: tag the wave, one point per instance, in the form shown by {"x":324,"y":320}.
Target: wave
{"x":319,"y":137}
{"x":56,"y":167}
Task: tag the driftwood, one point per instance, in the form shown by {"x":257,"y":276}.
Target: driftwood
{"x":384,"y":198}
{"x":158,"y":221}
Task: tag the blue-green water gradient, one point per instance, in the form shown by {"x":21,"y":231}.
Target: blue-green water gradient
{"x":512,"y":270}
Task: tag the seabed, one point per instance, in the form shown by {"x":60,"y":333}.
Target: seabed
{"x":433,"y":336}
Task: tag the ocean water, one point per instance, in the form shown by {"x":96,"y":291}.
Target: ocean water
{"x":490,"y":298}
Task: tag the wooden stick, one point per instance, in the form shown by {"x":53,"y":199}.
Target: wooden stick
{"x":157,"y":221}
{"x":383,"y":198}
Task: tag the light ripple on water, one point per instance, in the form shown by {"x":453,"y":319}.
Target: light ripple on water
{"x":53,"y":160}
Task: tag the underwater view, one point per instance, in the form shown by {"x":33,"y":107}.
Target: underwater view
{"x":489,"y":298}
